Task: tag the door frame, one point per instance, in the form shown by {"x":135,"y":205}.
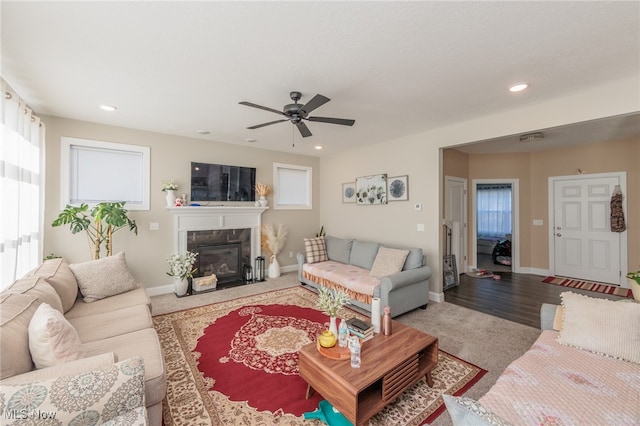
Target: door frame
{"x":463,"y":263}
{"x":515,"y":220}
{"x":622,"y":180}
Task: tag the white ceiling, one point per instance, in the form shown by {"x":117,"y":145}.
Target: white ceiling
{"x":397,"y":68}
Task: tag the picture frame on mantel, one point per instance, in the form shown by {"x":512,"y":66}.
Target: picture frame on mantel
{"x":349,"y":192}
{"x":371,"y":190}
{"x":398,"y":188}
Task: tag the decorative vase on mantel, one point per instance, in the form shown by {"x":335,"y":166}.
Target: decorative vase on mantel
{"x":180,"y":286}
{"x":274,"y":267}
{"x":263,"y":201}
{"x":171,"y":198}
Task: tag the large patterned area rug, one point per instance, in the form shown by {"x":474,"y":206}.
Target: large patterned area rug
{"x":588,"y":285}
{"x":236,"y":362}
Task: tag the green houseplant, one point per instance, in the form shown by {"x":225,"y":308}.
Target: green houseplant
{"x":100,"y":224}
{"x":634,"y":283}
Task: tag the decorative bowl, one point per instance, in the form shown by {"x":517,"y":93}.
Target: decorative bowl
{"x":327,"y":339}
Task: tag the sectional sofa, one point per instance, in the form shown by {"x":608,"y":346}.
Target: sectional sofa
{"x":80,"y":320}
{"x":364,"y":270}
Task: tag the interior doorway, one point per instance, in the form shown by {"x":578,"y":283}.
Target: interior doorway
{"x":495,"y":224}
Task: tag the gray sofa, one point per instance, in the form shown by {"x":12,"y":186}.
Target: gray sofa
{"x":402,"y":291}
{"x":113,"y":329}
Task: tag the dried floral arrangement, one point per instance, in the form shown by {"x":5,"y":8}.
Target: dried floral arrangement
{"x":262,"y":189}
{"x":273,"y":238}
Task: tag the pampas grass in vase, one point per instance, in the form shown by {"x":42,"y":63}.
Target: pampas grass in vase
{"x":273,"y":239}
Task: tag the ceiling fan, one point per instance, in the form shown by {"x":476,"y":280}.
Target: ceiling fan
{"x":296,"y":112}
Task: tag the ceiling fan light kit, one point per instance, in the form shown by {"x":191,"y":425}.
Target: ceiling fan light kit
{"x":296,"y":112}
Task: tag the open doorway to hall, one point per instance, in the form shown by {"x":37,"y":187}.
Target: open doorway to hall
{"x":494,"y":226}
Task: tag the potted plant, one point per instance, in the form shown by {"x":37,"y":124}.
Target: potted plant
{"x":100,"y":223}
{"x":634,"y":283}
{"x":273,"y":239}
{"x":330,"y":301}
{"x":170,"y":187}
{"x":262,"y":189}
{"x":181,"y":269}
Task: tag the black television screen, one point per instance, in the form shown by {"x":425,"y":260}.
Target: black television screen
{"x":219,"y":182}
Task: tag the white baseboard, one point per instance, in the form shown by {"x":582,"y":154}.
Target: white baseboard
{"x":436,"y":297}
{"x":534,"y":271}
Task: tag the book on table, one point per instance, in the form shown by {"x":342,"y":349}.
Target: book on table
{"x":359,"y":325}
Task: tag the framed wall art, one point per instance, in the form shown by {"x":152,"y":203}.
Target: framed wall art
{"x":399,"y":188}
{"x":349,"y":192}
{"x":371,"y":189}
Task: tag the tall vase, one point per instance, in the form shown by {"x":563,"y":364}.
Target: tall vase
{"x":333,"y":327}
{"x":263,"y":201}
{"x":274,"y":267}
{"x":180,"y":286}
{"x":171,"y":198}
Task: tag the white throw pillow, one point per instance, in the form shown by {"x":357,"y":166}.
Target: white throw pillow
{"x":388,"y":261}
{"x":52,"y":339}
{"x":601,"y":325}
{"x":104,"y":277}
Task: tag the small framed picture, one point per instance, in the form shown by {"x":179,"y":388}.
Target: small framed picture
{"x":349,"y":192}
{"x":398,"y":188}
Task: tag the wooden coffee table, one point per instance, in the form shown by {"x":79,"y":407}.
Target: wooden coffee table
{"x":390,"y":364}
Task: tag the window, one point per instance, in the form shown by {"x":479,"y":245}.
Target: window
{"x":95,"y":171}
{"x":292,"y":188}
{"x":494,"y":210}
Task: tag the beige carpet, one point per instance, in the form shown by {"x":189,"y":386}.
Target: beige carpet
{"x":486,"y":341}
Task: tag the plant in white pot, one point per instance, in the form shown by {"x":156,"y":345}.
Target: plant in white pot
{"x":634,"y":283}
{"x":330,"y":301}
{"x":273,"y":239}
{"x":181,"y":269}
{"x":170,"y":187}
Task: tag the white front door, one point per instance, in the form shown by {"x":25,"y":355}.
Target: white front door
{"x":455,"y":210}
{"x":584,"y":245}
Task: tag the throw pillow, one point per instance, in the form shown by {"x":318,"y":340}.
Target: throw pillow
{"x":52,"y":339}
{"x":601,"y":325}
{"x":467,"y":412}
{"x":388,"y":261}
{"x":59,"y":276}
{"x":315,"y":249}
{"x":109,"y":394}
{"x":104,"y":277}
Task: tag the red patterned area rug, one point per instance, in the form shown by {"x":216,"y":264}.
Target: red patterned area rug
{"x":589,"y":285}
{"x":236,"y":362}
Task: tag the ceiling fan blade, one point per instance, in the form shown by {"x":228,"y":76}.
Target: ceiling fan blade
{"x":304,"y":130}
{"x":315,"y":102}
{"x":343,"y":121}
{"x":261,"y":107}
{"x":257,"y":126}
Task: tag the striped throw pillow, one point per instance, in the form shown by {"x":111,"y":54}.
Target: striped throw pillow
{"x":316,"y":249}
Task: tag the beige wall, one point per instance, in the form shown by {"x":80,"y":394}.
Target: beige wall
{"x":170,"y":159}
{"x":533,"y":171}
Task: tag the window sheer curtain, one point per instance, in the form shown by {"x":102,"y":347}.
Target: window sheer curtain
{"x":494,"y":210}
{"x":21,"y":188}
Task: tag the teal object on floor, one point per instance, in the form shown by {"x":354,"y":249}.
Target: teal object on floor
{"x":327,"y":414}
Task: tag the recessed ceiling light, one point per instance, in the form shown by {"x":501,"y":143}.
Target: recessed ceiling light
{"x":518,"y":87}
{"x":318,"y":147}
{"x":203,"y":132}
{"x":250,"y":140}
{"x":109,"y":108}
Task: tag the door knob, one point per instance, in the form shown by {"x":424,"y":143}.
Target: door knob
{"x":558,"y":235}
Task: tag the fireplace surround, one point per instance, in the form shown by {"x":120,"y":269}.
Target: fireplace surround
{"x":219,"y":233}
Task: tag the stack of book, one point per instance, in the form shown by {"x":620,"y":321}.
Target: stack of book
{"x":362,"y":329}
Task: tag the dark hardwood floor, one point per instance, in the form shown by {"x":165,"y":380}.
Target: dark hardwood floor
{"x":515,"y":297}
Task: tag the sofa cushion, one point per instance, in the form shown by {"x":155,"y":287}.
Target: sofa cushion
{"x":467,"y":412}
{"x":338,"y":249}
{"x":52,"y":339}
{"x":363,"y":254}
{"x":315,"y":250}
{"x":138,"y":296}
{"x":144,"y":343}
{"x":388,"y":261}
{"x":16,"y":311}
{"x":37,"y":287}
{"x":103,"y":325}
{"x":104,"y":277}
{"x":414,"y":259}
{"x":95,"y":396}
{"x":61,"y":278}
{"x":601,"y":325}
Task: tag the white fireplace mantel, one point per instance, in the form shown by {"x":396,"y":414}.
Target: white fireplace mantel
{"x":201,"y":218}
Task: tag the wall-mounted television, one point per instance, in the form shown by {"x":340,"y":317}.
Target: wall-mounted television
{"x":220,"y":182}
